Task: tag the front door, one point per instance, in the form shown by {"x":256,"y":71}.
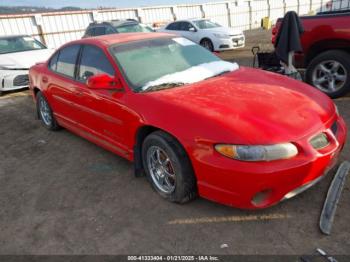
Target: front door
{"x":102,"y":111}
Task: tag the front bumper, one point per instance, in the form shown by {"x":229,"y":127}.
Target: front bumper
{"x":234,"y":42}
{"x":252,"y":185}
{"x":13,"y":79}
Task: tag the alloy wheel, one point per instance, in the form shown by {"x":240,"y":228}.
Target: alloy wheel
{"x":45,"y":112}
{"x":161,"y":169}
{"x":329,"y":76}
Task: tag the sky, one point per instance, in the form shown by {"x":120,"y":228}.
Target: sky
{"x":95,"y":3}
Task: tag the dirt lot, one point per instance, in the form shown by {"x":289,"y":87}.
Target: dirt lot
{"x":61,"y":194}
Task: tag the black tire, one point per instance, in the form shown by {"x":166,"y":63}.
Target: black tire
{"x":52,"y":124}
{"x":343,"y":58}
{"x":185,"y":182}
{"x":208,"y":44}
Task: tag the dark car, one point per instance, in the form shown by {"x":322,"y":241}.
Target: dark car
{"x":116,"y":27}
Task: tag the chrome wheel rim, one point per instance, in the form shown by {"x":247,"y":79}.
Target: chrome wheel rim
{"x":329,"y":76}
{"x":161,"y":169}
{"x":45,"y":112}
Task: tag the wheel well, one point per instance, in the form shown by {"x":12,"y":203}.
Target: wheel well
{"x":327,"y":45}
{"x":141,"y":134}
{"x":36,"y":90}
{"x":205,"y":38}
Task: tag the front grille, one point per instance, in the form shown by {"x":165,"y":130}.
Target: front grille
{"x":320,"y":141}
{"x":237,"y":39}
{"x":334,"y":128}
{"x":21,"y":80}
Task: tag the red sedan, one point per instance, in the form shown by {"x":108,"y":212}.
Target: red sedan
{"x":194,"y":124}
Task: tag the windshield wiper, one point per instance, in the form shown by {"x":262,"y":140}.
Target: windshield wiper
{"x":162,"y":86}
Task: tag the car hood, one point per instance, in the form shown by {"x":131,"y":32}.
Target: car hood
{"x":224,"y":30}
{"x":250,"y":106}
{"x":24,"y":60}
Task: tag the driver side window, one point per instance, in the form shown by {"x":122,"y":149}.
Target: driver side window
{"x":93,"y":62}
{"x":185,"y":26}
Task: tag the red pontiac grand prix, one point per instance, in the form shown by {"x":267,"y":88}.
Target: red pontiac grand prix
{"x":193,"y":123}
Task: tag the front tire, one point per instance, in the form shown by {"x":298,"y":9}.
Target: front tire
{"x":45,"y":113}
{"x":330,"y":73}
{"x":208,"y":44}
{"x":168,"y":168}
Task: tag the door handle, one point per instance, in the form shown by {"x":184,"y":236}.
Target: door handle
{"x":78,"y":92}
{"x":45,"y":79}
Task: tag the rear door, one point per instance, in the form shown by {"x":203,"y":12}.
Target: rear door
{"x":60,"y":83}
{"x":174,"y":28}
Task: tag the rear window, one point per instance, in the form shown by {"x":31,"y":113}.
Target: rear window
{"x":100,"y":31}
{"x":132,"y":28}
{"x":53,"y":62}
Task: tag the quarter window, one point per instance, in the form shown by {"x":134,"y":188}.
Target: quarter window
{"x":67,"y":59}
{"x":93,"y":62}
{"x":53,"y":62}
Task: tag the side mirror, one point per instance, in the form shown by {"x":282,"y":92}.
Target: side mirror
{"x":103,"y":81}
{"x":192,"y":29}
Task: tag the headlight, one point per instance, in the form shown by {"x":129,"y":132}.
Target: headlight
{"x":224,"y":36}
{"x":258,"y":153}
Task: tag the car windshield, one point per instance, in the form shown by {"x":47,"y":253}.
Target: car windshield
{"x":206,"y":24}
{"x":19,"y":44}
{"x":163,"y":63}
{"x":132,"y":28}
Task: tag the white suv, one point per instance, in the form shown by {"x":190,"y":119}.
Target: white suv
{"x":207,"y":33}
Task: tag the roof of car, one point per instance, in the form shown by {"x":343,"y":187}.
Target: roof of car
{"x":12,"y":36}
{"x":115,"y":23}
{"x":111,"y":39}
{"x":190,"y":20}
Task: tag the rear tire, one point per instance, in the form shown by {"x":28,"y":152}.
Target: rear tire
{"x":208,"y":44}
{"x":168,"y":168}
{"x":329,"y":72}
{"x":45,"y":113}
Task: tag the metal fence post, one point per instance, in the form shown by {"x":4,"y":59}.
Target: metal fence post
{"x":139,"y":14}
{"x":310,"y":9}
{"x":228,"y":7}
{"x":38,"y":19}
{"x":174,"y":12}
{"x":203,"y":9}
{"x":95,"y":15}
{"x":250,"y":15}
